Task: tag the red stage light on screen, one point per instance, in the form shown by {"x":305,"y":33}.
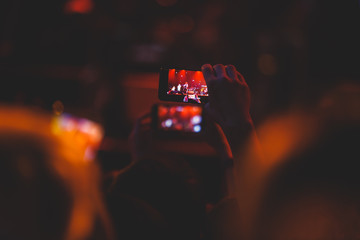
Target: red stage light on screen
{"x":171,"y":75}
{"x":199,"y":77}
{"x":79,"y":6}
{"x":182,"y":75}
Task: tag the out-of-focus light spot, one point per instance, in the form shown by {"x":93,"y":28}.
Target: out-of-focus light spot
{"x":342,"y":103}
{"x":82,"y":133}
{"x":207,"y":36}
{"x":78,"y":6}
{"x":326,"y":102}
{"x":96,"y":134}
{"x":163,"y":33}
{"x":267,"y":64}
{"x":162,"y":111}
{"x":182,"y":24}
{"x":58,"y":108}
{"x":197,"y":128}
{"x":81,"y":219}
{"x":85,"y":126}
{"x":168,"y":123}
{"x":69,"y":125}
{"x":89,"y":154}
{"x":6,"y":48}
{"x":179,"y":109}
{"x":209,"y":207}
{"x":172,"y":111}
{"x":179,"y":127}
{"x":55,"y":126}
{"x":166,"y":3}
{"x":281,"y":136}
{"x":147,"y":53}
{"x":196,"y":110}
{"x":196,"y":120}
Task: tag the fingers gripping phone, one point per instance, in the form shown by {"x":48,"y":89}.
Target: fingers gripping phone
{"x":180,"y":85}
{"x":178,"y":119}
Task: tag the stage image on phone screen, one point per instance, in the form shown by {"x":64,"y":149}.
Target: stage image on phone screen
{"x":180,"y":118}
{"x":189,"y":84}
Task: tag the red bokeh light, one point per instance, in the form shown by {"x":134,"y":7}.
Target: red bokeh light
{"x":79,"y":6}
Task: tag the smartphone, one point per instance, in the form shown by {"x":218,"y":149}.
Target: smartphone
{"x":180,"y":85}
{"x":178,"y":119}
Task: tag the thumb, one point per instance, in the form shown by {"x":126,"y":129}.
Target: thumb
{"x":217,"y":139}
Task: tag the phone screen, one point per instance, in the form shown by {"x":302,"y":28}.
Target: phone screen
{"x":184,"y":118}
{"x":182,"y":85}
{"x":190,"y":84}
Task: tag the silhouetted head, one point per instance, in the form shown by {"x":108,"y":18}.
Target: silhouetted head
{"x":315,"y":194}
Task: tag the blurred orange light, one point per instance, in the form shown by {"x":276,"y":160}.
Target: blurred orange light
{"x":267,"y":64}
{"x":84,"y":134}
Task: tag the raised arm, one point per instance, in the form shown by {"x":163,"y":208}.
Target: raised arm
{"x":229,"y":103}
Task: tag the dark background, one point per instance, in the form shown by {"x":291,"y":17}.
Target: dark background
{"x":101,"y":58}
